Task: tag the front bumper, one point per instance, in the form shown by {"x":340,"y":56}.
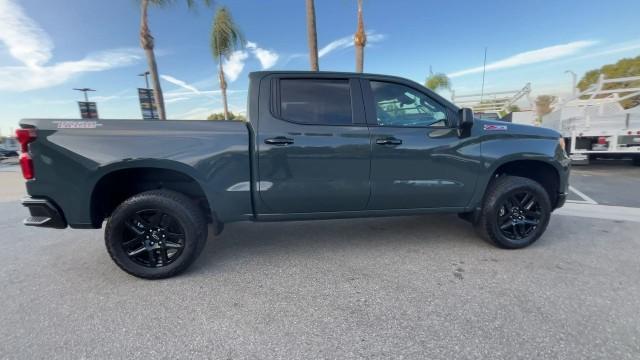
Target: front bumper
{"x":44,"y":213}
{"x":562,"y":198}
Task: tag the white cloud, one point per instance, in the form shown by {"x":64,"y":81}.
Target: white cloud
{"x":347,"y":42}
{"x":199,"y":113}
{"x":267,"y":58}
{"x":180,"y":83}
{"x":234,"y":65}
{"x":106,"y":98}
{"x":530,"y":57}
{"x":176,"y":99}
{"x":24,"y":78}
{"x":25,"y":40}
{"x":30,"y":45}
{"x":614,"y":49}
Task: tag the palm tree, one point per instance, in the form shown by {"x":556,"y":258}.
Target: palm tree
{"x":147,"y":44}
{"x":438,"y":81}
{"x":360,"y":40}
{"x":225,"y":38}
{"x":312,"y":35}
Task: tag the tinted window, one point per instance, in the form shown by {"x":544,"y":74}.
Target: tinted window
{"x":399,"y":105}
{"x":313,"y":101}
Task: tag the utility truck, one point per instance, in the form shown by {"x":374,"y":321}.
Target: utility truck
{"x":595,"y":124}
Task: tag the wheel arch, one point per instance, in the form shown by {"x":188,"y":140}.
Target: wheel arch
{"x":117,"y":182}
{"x":539,"y":170}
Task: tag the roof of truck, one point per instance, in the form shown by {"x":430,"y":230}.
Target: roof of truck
{"x":322,"y":73}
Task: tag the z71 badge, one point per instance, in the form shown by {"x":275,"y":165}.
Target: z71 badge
{"x":495,"y":128}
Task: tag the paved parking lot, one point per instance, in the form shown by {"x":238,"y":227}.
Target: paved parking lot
{"x":407,"y":287}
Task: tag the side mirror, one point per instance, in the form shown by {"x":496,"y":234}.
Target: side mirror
{"x":466,"y":118}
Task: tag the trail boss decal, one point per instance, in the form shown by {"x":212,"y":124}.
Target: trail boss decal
{"x":77,"y":124}
{"x":495,"y":128}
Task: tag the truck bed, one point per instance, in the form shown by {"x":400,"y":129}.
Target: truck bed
{"x":78,"y":154}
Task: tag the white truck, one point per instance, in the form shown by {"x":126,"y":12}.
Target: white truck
{"x":595,"y":124}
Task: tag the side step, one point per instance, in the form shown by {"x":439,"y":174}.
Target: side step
{"x":43,"y":214}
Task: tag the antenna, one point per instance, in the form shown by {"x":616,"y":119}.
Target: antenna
{"x":484,"y":70}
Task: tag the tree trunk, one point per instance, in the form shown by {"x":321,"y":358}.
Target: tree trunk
{"x":360,"y":40}
{"x":223,"y":88}
{"x":146,"y":41}
{"x":312,"y":35}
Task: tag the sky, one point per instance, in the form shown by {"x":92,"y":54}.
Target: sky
{"x":47,"y":48}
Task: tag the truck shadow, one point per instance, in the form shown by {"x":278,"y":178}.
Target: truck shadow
{"x":284,"y":241}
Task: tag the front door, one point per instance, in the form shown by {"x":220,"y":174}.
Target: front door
{"x":418,"y":160}
{"x":313,"y":146}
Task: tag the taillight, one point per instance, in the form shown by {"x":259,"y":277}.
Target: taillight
{"x":602,"y":140}
{"x":25,"y":136}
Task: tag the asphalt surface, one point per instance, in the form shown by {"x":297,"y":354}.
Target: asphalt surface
{"x":407,"y":287}
{"x":608,"y":182}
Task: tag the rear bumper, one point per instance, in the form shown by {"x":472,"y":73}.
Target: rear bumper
{"x":44,"y":213}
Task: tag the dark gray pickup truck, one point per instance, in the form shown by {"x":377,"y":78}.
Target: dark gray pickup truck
{"x":317,"y":146}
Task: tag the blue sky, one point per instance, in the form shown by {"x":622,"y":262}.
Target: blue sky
{"x":49,"y":47}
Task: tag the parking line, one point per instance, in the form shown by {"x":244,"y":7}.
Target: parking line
{"x":594,"y":211}
{"x":586,"y":199}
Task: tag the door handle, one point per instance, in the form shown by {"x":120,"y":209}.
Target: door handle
{"x":389,"y":141}
{"x":279,"y":141}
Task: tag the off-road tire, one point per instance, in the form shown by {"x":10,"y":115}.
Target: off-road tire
{"x":181,"y":208}
{"x":499,"y":190}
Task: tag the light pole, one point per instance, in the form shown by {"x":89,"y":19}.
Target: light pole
{"x":146,"y":78}
{"x":574,"y":81}
{"x":84,"y":90}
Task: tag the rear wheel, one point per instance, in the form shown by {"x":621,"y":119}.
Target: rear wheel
{"x":515,"y":212}
{"x":155,"y":234}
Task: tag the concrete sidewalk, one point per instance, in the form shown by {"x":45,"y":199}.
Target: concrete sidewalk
{"x":594,"y":211}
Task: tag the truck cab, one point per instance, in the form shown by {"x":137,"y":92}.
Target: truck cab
{"x":328,"y":143}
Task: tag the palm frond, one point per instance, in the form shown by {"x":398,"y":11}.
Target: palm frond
{"x":225,"y":34}
{"x":190,"y":3}
{"x":438,"y":81}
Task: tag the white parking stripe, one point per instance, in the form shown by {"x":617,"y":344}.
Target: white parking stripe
{"x":600,"y":212}
{"x":586,"y":199}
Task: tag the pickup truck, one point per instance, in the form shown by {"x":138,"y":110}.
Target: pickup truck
{"x":317,"y":145}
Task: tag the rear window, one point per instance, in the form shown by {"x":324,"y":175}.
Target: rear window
{"x":316,"y":101}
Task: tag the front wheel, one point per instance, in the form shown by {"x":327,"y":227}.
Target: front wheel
{"x":155,"y":234}
{"x":515,"y":212}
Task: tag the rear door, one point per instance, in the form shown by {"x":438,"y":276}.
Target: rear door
{"x":418,"y":160}
{"x":313,"y":145}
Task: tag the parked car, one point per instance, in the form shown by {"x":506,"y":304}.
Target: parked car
{"x":317,"y":145}
{"x":4,"y":153}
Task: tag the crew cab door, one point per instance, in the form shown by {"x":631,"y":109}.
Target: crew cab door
{"x":418,"y":159}
{"x":313,"y":145}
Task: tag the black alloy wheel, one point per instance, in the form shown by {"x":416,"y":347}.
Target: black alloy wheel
{"x":515,"y":212}
{"x":153,"y":238}
{"x":156,"y":234}
{"x":519,"y":215}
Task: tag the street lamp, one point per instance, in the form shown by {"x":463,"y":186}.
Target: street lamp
{"x":146,"y":78}
{"x":84,"y":90}
{"x":574,"y":83}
